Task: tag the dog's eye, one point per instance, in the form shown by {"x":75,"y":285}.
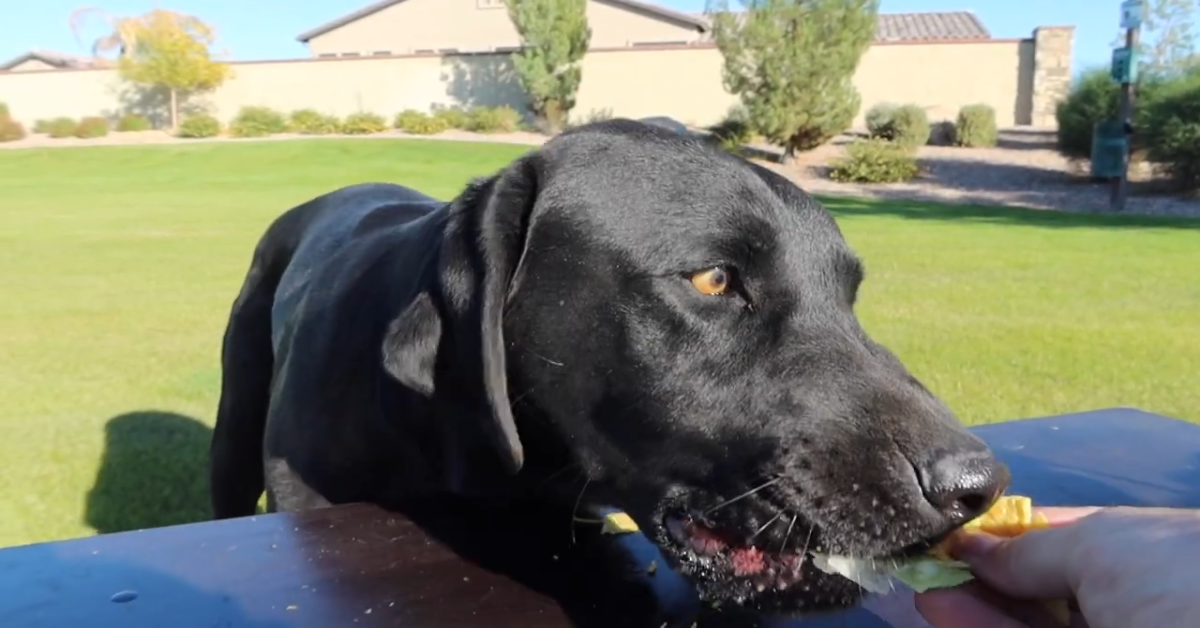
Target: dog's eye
{"x":713,"y":281}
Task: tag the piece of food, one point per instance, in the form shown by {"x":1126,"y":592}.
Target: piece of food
{"x":1010,"y":516}
{"x":618,"y":523}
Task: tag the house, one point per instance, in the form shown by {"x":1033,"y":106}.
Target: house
{"x":48,"y":60}
{"x":400,"y":27}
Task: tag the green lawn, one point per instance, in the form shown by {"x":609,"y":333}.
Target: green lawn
{"x":119,"y":264}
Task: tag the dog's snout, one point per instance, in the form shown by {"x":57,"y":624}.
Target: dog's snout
{"x":964,"y":485}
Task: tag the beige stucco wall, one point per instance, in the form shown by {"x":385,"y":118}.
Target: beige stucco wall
{"x":683,"y":82}
{"x":480,"y":25}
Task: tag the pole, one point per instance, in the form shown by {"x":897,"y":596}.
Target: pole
{"x":1120,"y":186}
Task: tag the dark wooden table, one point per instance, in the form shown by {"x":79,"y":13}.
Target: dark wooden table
{"x":360,"y":566}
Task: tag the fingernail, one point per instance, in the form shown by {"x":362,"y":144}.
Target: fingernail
{"x":975,"y":545}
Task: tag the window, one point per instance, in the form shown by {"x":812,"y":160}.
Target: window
{"x":489,"y":4}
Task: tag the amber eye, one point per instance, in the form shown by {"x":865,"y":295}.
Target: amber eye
{"x":713,"y":281}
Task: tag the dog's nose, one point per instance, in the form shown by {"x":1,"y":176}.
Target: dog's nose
{"x":964,"y":485}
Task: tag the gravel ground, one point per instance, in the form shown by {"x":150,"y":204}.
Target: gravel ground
{"x":1023,"y":170}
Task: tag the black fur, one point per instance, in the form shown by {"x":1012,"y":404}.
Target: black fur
{"x":538,"y":338}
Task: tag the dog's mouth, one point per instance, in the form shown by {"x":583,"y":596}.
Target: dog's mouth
{"x":784,"y":566}
{"x":762,"y":566}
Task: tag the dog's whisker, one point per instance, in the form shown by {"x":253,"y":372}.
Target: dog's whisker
{"x":556,"y":474}
{"x":766,"y":525}
{"x":808,"y":540}
{"x":787,"y":535}
{"x":742,"y":496}
{"x":575,"y":510}
{"x":546,"y":359}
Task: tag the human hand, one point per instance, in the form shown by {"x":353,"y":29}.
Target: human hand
{"x":1125,"y":567}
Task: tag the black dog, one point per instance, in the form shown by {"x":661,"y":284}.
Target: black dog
{"x":626,"y":312}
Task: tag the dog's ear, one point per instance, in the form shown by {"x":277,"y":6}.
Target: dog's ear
{"x":481,"y":249}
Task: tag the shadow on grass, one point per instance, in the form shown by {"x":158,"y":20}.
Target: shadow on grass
{"x":923,"y":210}
{"x":154,"y":473}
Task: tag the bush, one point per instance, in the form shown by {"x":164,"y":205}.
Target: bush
{"x":10,"y":130}
{"x":4,"y":112}
{"x":257,"y":122}
{"x":420,"y":123}
{"x":493,"y":120}
{"x":199,"y":126}
{"x":879,"y":119}
{"x":42,"y":126}
{"x":875,"y":160}
{"x":733,"y":132}
{"x":363,"y":123}
{"x":910,"y":126}
{"x":1171,"y":130}
{"x":131,"y":122}
{"x":452,"y":117}
{"x":313,"y":122}
{"x":943,"y":133}
{"x":91,"y":127}
{"x":1094,"y":97}
{"x":59,"y":128}
{"x":976,"y":127}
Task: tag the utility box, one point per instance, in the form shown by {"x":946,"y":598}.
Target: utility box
{"x":1109,"y":146}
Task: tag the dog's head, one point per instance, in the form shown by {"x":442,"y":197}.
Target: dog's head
{"x":678,"y":325}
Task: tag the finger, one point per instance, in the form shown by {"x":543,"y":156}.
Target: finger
{"x":1035,"y":565}
{"x":961,"y":606}
{"x":1066,"y":515}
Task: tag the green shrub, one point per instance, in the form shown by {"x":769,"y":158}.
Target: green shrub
{"x":879,"y":119}
{"x":257,"y":122}
{"x":91,"y":127}
{"x":59,"y":128}
{"x":4,"y":112}
{"x":910,"y":126}
{"x":1171,"y":130}
{"x":10,"y":130}
{"x":734,"y":131}
{"x":131,"y":122}
{"x":42,"y":126}
{"x":313,"y":122}
{"x":420,"y":123}
{"x":1092,"y":98}
{"x":200,"y":125}
{"x":364,"y":123}
{"x":976,"y":127}
{"x":493,"y":120}
{"x":943,"y":133}
{"x":452,"y":117}
{"x":875,"y":160}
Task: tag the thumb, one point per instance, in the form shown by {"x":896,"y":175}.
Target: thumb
{"x":1035,"y":565}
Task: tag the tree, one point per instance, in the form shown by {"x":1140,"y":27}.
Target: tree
{"x":554,"y":37}
{"x":162,"y":49}
{"x":792,"y":63}
{"x":1168,"y":37}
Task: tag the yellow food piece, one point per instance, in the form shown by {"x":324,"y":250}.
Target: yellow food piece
{"x":1011,"y":515}
{"x":618,"y":523}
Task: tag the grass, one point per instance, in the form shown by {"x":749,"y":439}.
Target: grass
{"x":119,"y":265}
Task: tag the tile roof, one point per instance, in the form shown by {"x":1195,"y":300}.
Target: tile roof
{"x":688,"y":19}
{"x":56,"y":59}
{"x":933,"y":26}
{"x":930,"y":26}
